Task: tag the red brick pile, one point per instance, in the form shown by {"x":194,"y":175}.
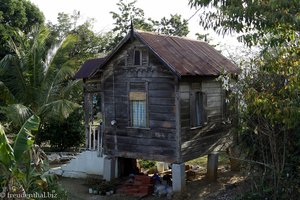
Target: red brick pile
{"x":140,"y":186}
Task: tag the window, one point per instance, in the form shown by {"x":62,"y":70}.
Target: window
{"x":138,"y":105}
{"x":138,"y":109}
{"x":137,"y":57}
{"x":94,"y":107}
{"x":198,"y":109}
{"x":198,"y":102}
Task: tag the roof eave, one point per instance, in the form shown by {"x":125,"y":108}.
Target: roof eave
{"x":107,"y":58}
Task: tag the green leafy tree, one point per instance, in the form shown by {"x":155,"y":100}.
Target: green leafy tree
{"x":269,"y":121}
{"x":129,"y":13}
{"x":268,"y":131}
{"x":22,"y":165}
{"x":255,"y":20}
{"x":79,"y":44}
{"x":16,"y":15}
{"x":32,"y":84}
{"x":175,"y":25}
{"x":67,"y":133}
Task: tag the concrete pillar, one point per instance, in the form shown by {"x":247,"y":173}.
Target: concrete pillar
{"x":178,"y":177}
{"x":212,"y":166}
{"x":109,"y":168}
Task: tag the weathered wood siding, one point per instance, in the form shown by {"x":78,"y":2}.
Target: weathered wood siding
{"x":158,"y":140}
{"x":198,"y":141}
{"x":215,"y":100}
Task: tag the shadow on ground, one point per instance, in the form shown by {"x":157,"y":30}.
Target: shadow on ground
{"x":228,"y":186}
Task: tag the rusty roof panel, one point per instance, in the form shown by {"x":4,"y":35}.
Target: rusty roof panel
{"x":183,"y":56}
{"x":89,"y":67}
{"x":187,"y":57}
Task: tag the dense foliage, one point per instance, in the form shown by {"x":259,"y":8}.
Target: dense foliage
{"x":129,"y":14}
{"x":63,"y":135}
{"x":269,"y":122}
{"x":16,"y":15}
{"x":254,"y":20}
{"x":31,"y":84}
{"x":268,"y":90}
{"x":22,"y":165}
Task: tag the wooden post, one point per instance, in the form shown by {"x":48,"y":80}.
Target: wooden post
{"x":87,"y":132}
{"x":90,"y":138}
{"x":94,"y":137}
{"x":86,"y":118}
{"x":212,"y":166}
{"x":98,"y":136}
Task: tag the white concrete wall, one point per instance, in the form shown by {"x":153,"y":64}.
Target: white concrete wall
{"x":86,"y":163}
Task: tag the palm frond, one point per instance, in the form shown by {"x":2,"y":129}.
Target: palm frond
{"x":12,"y":73}
{"x":6,"y":95}
{"x":70,"y":87}
{"x":34,"y":82}
{"x":59,"y":109}
{"x":17,"y":113}
{"x":51,"y":55}
{"x":55,"y":82}
{"x":64,"y":73}
{"x":4,"y":63}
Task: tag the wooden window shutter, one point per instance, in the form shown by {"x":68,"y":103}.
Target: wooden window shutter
{"x":137,"y":57}
{"x":204,"y":113}
{"x":192,"y":109}
{"x":145,"y":58}
{"x":129,"y":60}
{"x":198,"y":102}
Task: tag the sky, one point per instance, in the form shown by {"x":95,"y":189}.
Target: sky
{"x":99,"y":10}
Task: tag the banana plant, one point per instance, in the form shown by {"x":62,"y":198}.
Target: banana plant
{"x":15,"y":157}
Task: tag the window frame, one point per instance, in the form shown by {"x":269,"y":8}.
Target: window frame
{"x":138,"y":124}
{"x":140,"y":57}
{"x":193,"y":111}
{"x":138,"y":95}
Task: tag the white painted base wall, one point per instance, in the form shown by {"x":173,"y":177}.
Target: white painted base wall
{"x":85,"y":164}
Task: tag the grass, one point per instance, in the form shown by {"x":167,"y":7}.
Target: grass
{"x":202,"y":161}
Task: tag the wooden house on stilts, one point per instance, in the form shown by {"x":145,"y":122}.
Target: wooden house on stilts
{"x":159,"y":99}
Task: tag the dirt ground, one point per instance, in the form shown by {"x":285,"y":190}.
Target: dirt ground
{"x":228,"y":186}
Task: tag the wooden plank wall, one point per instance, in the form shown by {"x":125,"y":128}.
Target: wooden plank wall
{"x":158,"y":142}
{"x":214,"y":93}
{"x":196,"y":142}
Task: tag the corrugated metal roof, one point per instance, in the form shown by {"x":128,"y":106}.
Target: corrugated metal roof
{"x":89,"y":67}
{"x":187,"y":57}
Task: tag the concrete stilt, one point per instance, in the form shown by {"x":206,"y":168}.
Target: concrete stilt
{"x":109,"y":168}
{"x":212,"y":166}
{"x":178,"y":177}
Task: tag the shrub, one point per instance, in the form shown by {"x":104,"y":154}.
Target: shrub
{"x":65,"y":134}
{"x":147,"y":164}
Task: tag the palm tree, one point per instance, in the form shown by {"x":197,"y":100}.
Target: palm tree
{"x":30,"y":84}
